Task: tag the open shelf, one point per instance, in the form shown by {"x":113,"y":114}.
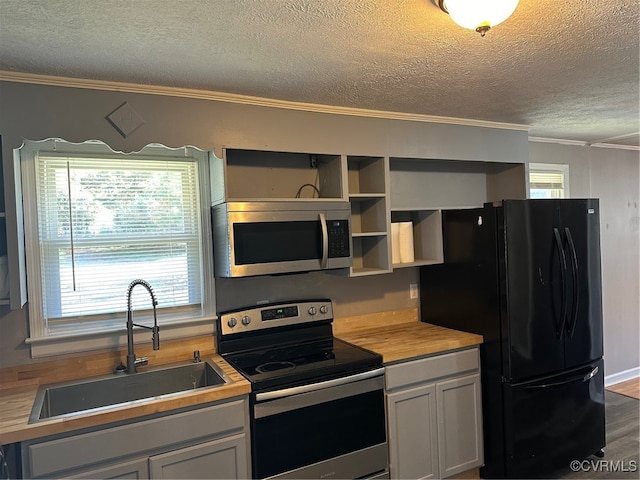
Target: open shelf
{"x":422,"y":183}
{"x":427,"y":236}
{"x":367,"y":190}
{"x":366,"y":175}
{"x":368,"y":215}
{"x":258,"y":175}
{"x":370,"y":255}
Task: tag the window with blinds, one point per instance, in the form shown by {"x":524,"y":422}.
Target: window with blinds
{"x":548,"y":180}
{"x":104,"y":219}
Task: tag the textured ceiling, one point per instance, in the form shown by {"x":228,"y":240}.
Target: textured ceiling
{"x":569,"y":69}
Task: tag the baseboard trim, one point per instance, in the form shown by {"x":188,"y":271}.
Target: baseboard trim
{"x":621,"y":376}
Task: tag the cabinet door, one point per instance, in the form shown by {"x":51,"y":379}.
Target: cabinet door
{"x":413,"y":435}
{"x":224,"y":458}
{"x":459,"y":425}
{"x":134,"y":469}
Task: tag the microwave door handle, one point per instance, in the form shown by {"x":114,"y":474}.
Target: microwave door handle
{"x":325,"y":241}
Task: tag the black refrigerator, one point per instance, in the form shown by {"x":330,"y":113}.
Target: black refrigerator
{"x":525,"y":274}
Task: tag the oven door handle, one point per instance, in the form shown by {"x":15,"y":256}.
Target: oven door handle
{"x":287,"y":392}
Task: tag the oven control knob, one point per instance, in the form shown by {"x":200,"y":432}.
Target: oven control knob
{"x":246,"y":320}
{"x":324,"y":309}
{"x":232,"y":322}
{"x":312,"y":310}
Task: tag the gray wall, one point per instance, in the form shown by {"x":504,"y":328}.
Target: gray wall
{"x":75,"y":114}
{"x":37,"y":112}
{"x":613,"y":176}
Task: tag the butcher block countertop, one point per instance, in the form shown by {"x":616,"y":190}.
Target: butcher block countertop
{"x":396,"y":335}
{"x":18,"y":386}
{"x":400,"y":336}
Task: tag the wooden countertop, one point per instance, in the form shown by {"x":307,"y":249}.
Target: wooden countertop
{"x":397,"y":336}
{"x":19,"y":386}
{"x":400,"y":336}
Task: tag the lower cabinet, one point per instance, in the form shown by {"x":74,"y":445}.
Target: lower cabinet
{"x":138,"y":468}
{"x":207,"y":442}
{"x":413,"y":432}
{"x":435,"y":415}
{"x":225,"y":458}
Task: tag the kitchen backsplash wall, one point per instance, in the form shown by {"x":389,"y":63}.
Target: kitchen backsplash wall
{"x":350,"y":296}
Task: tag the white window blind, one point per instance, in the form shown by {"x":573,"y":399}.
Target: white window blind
{"x":105,"y":219}
{"x":548,"y":181}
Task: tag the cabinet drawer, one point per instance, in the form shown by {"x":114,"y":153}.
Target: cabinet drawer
{"x":45,"y":458}
{"x":432,"y":368}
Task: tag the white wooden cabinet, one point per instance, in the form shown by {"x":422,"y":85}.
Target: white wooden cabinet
{"x":224,"y":458}
{"x":434,"y":412}
{"x":413,"y":432}
{"x":132,"y":469}
{"x":207,"y":442}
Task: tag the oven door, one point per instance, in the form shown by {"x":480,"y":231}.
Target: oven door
{"x":330,"y":429}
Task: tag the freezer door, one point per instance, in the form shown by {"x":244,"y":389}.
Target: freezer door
{"x":532,"y":267}
{"x":580,"y":228}
{"x":552,"y":421}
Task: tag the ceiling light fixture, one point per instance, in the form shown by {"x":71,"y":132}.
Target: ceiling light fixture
{"x":478,"y":15}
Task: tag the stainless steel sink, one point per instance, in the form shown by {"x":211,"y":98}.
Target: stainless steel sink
{"x":69,"y":398}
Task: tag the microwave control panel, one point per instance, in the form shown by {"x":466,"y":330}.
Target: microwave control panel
{"x":338,"y":238}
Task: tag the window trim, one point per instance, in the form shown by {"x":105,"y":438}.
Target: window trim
{"x":42,"y":342}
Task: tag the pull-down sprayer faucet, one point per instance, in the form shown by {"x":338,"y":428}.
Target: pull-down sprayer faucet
{"x":132,"y":362}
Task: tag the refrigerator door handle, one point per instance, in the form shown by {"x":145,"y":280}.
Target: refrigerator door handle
{"x":563,"y":279}
{"x":571,"y":328}
{"x":579,"y":378}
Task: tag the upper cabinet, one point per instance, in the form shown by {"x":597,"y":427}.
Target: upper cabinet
{"x":421,"y":188}
{"x":421,"y":183}
{"x":396,"y":203}
{"x":253,"y":175}
{"x":368,"y":193}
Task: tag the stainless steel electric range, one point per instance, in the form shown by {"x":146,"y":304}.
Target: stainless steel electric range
{"x":317,"y":402}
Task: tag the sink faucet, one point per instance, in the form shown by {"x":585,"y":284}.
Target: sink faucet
{"x":132,"y":361}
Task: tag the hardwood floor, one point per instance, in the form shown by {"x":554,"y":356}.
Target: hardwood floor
{"x":622,"y":452}
{"x":630,"y":388}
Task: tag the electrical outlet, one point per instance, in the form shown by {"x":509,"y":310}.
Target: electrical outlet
{"x":413,"y":290}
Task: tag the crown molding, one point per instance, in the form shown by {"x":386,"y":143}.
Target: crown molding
{"x":579,"y":143}
{"x":615,"y":146}
{"x":56,"y":81}
{"x":560,"y":141}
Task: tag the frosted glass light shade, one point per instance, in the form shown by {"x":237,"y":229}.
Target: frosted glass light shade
{"x":479,"y":15}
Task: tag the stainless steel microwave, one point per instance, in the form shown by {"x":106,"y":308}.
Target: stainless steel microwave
{"x":273,"y":237}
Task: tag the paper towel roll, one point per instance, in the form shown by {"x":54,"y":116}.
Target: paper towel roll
{"x":406,"y":242}
{"x":395,"y":243}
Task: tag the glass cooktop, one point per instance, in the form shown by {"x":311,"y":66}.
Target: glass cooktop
{"x":294,"y":365}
